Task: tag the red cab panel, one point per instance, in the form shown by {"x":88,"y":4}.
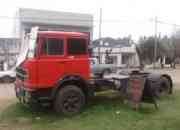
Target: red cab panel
{"x":58,"y":54}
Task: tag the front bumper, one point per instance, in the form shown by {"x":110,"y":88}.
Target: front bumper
{"x":25,"y":96}
{"x":33,"y":97}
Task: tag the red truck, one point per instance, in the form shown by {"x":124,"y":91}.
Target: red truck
{"x":54,"y":69}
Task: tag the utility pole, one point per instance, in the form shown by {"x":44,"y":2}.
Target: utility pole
{"x":100,"y":24}
{"x":174,"y":45}
{"x":155,"y":44}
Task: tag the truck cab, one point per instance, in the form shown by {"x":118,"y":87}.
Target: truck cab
{"x":54,"y":68}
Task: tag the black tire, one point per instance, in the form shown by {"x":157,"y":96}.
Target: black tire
{"x":164,"y":88}
{"x":69,"y":100}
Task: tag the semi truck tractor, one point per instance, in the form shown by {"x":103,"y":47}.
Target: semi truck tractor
{"x":54,"y":70}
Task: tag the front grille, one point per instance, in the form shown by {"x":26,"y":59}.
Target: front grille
{"x":21,"y":73}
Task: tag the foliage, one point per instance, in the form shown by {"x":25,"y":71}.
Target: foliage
{"x":166,"y":47}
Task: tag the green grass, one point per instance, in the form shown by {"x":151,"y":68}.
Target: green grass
{"x":102,"y":113}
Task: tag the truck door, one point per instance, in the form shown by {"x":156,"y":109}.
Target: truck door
{"x":51,"y":61}
{"x":78,"y":58}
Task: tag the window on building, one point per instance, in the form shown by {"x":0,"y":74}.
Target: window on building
{"x":53,"y":46}
{"x":125,"y":58}
{"x":76,"y":46}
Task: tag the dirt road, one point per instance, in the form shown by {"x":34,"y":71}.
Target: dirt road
{"x":6,"y":91}
{"x":174,"y":73}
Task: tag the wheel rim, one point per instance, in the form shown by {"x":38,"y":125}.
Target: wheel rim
{"x":72,"y":103}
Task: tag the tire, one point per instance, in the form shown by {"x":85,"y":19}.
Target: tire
{"x":164,"y":88}
{"x":69,"y":100}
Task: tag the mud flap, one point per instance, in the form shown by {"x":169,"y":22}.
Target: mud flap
{"x":141,"y":90}
{"x":149,"y":93}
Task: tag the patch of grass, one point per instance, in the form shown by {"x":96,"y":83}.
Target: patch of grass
{"x":105,"y":112}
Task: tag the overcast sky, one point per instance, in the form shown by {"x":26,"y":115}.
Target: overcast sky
{"x":120,"y":17}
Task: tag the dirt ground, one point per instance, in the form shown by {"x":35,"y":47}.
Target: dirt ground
{"x":7,"y":90}
{"x":174,"y":73}
{"x":6,"y":94}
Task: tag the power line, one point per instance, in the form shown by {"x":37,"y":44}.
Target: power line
{"x":94,"y":20}
{"x":88,"y":20}
{"x":74,"y":19}
{"x":166,"y":23}
{"x":171,"y":24}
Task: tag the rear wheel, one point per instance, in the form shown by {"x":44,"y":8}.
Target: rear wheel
{"x":69,"y":100}
{"x":164,"y":88}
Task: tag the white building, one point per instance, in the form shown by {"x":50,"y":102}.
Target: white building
{"x":45,"y":20}
{"x":9,"y":49}
{"x":52,"y":20}
{"x":122,"y":56}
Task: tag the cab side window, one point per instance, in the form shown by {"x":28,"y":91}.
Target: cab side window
{"x":76,"y":46}
{"x":52,"y":46}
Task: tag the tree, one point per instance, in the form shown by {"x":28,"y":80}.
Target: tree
{"x":146,"y":49}
{"x":165,"y":48}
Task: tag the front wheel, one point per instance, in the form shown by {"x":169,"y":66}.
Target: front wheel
{"x":69,"y":100}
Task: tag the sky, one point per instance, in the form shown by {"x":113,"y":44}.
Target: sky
{"x":120,"y":18}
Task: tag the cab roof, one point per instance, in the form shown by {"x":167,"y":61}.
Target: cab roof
{"x":63,"y":33}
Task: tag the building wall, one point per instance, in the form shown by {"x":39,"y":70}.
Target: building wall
{"x":46,"y":20}
{"x":9,"y":50}
{"x":55,"y":17}
{"x":131,"y":57}
{"x":53,"y":20}
{"x":26,"y":27}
